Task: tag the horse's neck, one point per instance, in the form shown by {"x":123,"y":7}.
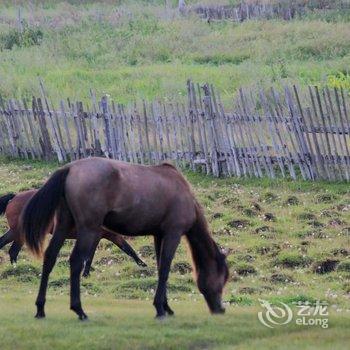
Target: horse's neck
{"x":202,"y":245}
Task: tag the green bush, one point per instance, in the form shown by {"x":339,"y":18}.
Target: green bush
{"x":30,"y":36}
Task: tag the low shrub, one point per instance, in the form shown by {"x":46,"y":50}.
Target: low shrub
{"x":29,"y":36}
{"x":292,"y":260}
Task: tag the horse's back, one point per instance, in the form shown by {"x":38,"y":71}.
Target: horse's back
{"x":15,"y":207}
{"x":137,"y":197}
{"x":114,"y":175}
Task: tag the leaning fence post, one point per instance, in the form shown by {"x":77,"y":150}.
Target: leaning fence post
{"x":46,"y":142}
{"x":212,"y":140}
{"x":11,"y":135}
{"x":108,"y":132}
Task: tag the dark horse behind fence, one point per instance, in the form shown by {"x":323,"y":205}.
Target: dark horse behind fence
{"x":12,"y":205}
{"x":132,"y":200}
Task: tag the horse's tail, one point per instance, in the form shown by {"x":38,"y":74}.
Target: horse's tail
{"x":39,"y":211}
{"x":4,"y":201}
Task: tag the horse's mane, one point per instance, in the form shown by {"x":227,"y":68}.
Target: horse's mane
{"x":169,"y":165}
{"x":200,"y":236}
{"x":200,"y":230}
{"x":178,"y":172}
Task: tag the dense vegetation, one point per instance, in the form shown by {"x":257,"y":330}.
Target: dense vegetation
{"x":134,"y":49}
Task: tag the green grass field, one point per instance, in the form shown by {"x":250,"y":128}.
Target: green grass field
{"x":277,"y":235}
{"x":140,"y":50}
{"x":120,"y":324}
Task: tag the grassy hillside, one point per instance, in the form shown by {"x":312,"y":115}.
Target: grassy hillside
{"x":140,"y":49}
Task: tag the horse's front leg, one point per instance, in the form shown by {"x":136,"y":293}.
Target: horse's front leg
{"x":14,"y":251}
{"x":7,"y":238}
{"x":157,"y":247}
{"x":169,"y":244}
{"x":86,"y":239}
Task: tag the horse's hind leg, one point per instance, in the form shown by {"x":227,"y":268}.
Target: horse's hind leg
{"x":81,"y":252}
{"x":123,"y":245}
{"x":170,"y":242}
{"x":50,"y":257}
{"x":127,"y":249}
{"x":64,"y":224}
{"x":88,"y":263}
{"x":7,"y":238}
{"x":157,"y":246}
{"x":14,"y":251}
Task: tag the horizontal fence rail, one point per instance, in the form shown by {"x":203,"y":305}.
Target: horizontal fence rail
{"x":267,"y":133}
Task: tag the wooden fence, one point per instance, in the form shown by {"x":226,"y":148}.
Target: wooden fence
{"x":286,"y":10}
{"x":267,"y":133}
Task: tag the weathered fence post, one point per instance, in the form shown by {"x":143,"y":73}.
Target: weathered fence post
{"x":210,"y":116}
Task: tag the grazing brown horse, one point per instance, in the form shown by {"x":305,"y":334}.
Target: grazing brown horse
{"x":129,"y":199}
{"x":13,"y":204}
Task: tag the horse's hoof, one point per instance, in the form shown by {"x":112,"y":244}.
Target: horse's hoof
{"x":40,"y":311}
{"x":169,"y":311}
{"x":142,"y":264}
{"x":160,"y":318}
{"x":86,"y":274}
{"x":79,"y":311}
{"x":83,"y":318}
{"x":219,"y":311}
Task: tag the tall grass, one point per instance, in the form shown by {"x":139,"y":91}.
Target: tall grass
{"x":140,"y":49}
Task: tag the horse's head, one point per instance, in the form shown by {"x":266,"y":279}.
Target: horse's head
{"x":211,"y":282}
